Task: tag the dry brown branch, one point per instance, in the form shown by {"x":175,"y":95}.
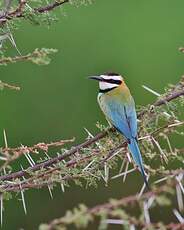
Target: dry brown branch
{"x":46,"y":175}
{"x":172,"y":95}
{"x":128,"y":200}
{"x":44,"y":165}
{"x":169,"y":97}
{"x":48,"y":172}
{"x":38,"y":56}
{"x":6,"y":60}
{"x":12,"y":154}
{"x":35,"y":148}
{"x":55,"y":160}
{"x":19,"y":12}
{"x":111,"y":206}
{"x":6,"y":85}
{"x":51,"y":6}
{"x":181,"y":49}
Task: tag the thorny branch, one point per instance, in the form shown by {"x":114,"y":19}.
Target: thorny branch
{"x":38,"y":56}
{"x":51,"y":6}
{"x":19,"y":11}
{"x":35,"y":148}
{"x":116,"y":209}
{"x":54,"y":160}
{"x":91,"y":160}
{"x":11,"y":154}
{"x":45,"y":165}
{"x":170,"y":97}
{"x":6,"y":85}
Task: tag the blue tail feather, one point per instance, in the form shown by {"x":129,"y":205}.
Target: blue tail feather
{"x":134,"y":149}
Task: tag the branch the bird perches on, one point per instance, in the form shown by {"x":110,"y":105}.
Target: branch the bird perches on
{"x":45,"y":165}
{"x":91,"y":161}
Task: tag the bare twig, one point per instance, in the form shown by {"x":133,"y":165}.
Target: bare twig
{"x":109,"y":209}
{"x":173,"y":95}
{"x":6,"y":85}
{"x":19,"y":12}
{"x":12,"y":154}
{"x":40,"y":146}
{"x":51,"y":6}
{"x":37,"y":56}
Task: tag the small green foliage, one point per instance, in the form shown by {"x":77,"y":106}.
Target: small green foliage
{"x":38,"y":56}
{"x":100,"y":126}
{"x":162,"y":200}
{"x":161,"y":226}
{"x":120,"y":213}
{"x":102,"y":159}
{"x":103,"y":216}
{"x":78,"y":217}
{"x":44,"y":227}
{"x":7,"y":196}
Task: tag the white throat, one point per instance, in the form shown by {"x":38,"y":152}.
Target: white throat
{"x":106,"y":85}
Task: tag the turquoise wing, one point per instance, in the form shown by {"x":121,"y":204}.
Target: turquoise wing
{"x":132,"y":118}
{"x":122,"y":116}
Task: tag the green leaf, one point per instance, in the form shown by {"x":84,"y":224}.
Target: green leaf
{"x":163,"y":200}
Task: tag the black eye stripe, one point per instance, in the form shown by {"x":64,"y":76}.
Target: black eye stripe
{"x":106,"y":90}
{"x":112,"y":81}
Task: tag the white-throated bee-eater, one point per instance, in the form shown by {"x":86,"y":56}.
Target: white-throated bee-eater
{"x":118,"y":106}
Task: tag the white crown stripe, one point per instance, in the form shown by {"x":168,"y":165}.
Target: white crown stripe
{"x":117,"y":77}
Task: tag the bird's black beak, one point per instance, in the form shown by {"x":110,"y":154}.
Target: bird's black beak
{"x":98,"y":78}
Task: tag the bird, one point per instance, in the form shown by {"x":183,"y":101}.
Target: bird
{"x":118,"y":106}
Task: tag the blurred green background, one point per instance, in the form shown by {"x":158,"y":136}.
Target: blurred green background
{"x":139,"y":39}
